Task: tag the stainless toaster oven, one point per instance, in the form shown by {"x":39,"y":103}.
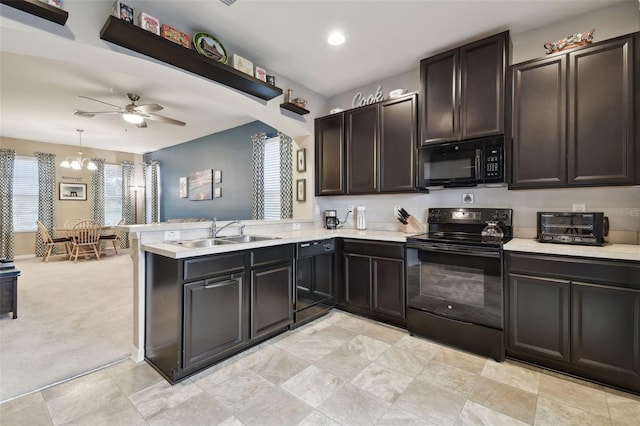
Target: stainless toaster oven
{"x":572,"y":228}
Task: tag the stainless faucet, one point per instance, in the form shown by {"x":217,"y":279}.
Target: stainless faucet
{"x":215,"y":230}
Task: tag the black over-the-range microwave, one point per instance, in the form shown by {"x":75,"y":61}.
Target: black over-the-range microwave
{"x":463,"y":163}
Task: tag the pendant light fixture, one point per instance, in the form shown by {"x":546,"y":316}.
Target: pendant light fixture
{"x":77,"y":163}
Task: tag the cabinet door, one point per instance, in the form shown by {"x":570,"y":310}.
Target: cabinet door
{"x":398,"y":133}
{"x":388,"y":287}
{"x":539,"y":123}
{"x":323,"y":271}
{"x":214,"y":318}
{"x":538,"y":317}
{"x":362,"y":149}
{"x":357,"y":271}
{"x":438,"y":97}
{"x":271,"y":298}
{"x":605,"y":331}
{"x":482,"y":87}
{"x":330,"y":155}
{"x":601,"y":114}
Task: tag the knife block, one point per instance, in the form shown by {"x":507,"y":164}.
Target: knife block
{"x":412,"y":226}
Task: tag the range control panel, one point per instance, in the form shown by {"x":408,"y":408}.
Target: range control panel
{"x":470,"y":216}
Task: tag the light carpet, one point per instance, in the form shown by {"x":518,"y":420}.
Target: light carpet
{"x":72,"y":318}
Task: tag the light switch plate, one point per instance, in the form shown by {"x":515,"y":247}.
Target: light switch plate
{"x":579,"y":207}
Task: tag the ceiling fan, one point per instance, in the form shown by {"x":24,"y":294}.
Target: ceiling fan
{"x":132,"y":113}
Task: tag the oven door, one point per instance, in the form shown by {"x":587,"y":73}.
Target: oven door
{"x":457,"y":164}
{"x":456,"y":281}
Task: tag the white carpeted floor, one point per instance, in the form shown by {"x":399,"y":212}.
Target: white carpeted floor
{"x":72,"y":318}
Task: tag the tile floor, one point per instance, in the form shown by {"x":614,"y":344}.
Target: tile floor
{"x":339,"y":370}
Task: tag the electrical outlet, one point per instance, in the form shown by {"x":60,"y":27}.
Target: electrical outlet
{"x":350,"y":209}
{"x":579,"y":207}
{"x":171,"y":235}
{"x":467,"y":198}
{"x":396,"y":209}
{"x":296,"y":226}
{"x":317,"y":209}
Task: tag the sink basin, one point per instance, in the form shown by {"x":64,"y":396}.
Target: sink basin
{"x":247,"y":238}
{"x":207,"y":242}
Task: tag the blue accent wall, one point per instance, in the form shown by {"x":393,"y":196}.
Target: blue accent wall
{"x":228,"y":151}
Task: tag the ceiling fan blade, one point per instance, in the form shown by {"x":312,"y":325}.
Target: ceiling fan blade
{"x":142,"y":125}
{"x":164,"y":119}
{"x":146,"y":108}
{"x":93,"y":113}
{"x":102,"y":102}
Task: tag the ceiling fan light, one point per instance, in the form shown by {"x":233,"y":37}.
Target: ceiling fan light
{"x":92,"y":166}
{"x":132,"y":118}
{"x":65,"y":164}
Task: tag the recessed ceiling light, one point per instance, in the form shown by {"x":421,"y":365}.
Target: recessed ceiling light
{"x":335,"y":39}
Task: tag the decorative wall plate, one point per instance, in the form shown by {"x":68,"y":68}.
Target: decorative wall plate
{"x":209,"y":46}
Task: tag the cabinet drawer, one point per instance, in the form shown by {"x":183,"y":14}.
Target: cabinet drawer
{"x":619,"y":273}
{"x":274,"y":254}
{"x":375,"y":249}
{"x":212,"y":265}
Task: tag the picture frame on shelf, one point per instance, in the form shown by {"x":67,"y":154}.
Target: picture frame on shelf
{"x":73,"y":191}
{"x":301,"y":160}
{"x":301,"y":190}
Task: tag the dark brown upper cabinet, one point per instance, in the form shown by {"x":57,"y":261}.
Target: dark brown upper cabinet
{"x":463,"y":91}
{"x":329,"y":156}
{"x":368,"y":150}
{"x":574,"y":119}
{"x":362,"y":129}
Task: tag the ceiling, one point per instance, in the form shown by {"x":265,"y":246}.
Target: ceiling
{"x":41,"y":89}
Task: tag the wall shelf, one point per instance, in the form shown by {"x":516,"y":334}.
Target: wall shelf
{"x":129,"y":36}
{"x":294,"y":108}
{"x":39,"y":9}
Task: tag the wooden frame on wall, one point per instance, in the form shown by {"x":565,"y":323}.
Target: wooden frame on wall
{"x":72,"y":191}
{"x":301,"y":190}
{"x":301,"y":160}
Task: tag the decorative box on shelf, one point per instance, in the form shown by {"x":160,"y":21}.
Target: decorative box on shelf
{"x":242,"y":64}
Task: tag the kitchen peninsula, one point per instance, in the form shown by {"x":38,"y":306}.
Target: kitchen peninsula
{"x":148,"y":242}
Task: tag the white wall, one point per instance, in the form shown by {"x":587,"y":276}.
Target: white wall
{"x":621,"y":204}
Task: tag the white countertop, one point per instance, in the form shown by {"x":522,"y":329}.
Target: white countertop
{"x":174,"y":251}
{"x":608,"y":251}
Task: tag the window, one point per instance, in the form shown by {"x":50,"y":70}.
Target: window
{"x":272,"y":178}
{"x":112,"y":194}
{"x":25,"y":194}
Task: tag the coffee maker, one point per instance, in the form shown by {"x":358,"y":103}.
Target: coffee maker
{"x":331,"y":220}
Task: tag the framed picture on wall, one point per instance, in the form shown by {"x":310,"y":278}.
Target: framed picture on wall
{"x":73,"y":191}
{"x":301,"y":190}
{"x":301,"y":160}
{"x":183,"y":187}
{"x":201,"y":185}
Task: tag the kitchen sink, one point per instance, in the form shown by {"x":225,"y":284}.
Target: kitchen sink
{"x":247,"y":238}
{"x":207,"y":242}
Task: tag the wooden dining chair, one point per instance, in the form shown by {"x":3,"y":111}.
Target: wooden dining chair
{"x":114,"y":237}
{"x":86,"y":238}
{"x":51,"y":242}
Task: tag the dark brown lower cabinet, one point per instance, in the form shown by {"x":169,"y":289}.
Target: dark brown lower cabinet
{"x":214,"y":318}
{"x":576,"y":315}
{"x":535,"y":330}
{"x":374,"y":280}
{"x":202,"y":309}
{"x":271,"y":298}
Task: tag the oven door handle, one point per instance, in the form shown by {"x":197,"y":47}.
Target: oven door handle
{"x":445,"y":248}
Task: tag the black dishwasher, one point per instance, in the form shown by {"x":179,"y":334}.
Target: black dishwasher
{"x":315,"y":284}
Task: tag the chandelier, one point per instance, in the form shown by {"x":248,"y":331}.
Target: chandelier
{"x":77,"y":163}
